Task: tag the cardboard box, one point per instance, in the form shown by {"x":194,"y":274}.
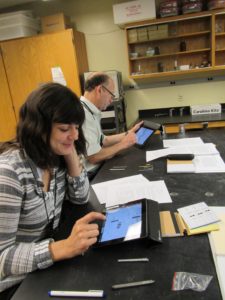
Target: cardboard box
{"x":157,"y":32}
{"x":132,"y":35}
{"x":133,"y":11}
{"x":142,"y":34}
{"x":55,"y":22}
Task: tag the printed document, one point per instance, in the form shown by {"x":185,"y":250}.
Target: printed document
{"x":131,"y":188}
{"x":197,"y":215}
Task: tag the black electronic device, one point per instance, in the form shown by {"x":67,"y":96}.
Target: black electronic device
{"x":180,"y":156}
{"x":143,"y":134}
{"x":131,"y":221}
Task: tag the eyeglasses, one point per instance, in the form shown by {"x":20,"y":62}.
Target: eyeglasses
{"x":113,"y":96}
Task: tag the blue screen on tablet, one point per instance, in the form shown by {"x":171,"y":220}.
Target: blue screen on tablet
{"x":143,"y":134}
{"x":119,"y":220}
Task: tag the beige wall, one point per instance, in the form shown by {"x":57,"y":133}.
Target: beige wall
{"x":106,"y":48}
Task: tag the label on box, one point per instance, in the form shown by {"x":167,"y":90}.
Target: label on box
{"x":206,"y":109}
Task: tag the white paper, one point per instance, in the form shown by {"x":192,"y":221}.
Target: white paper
{"x":201,"y":149}
{"x":209,"y":164}
{"x":181,"y":167}
{"x":57,"y":75}
{"x":184,"y":141}
{"x":219,"y":260}
{"x":197,"y":215}
{"x":127,"y":189}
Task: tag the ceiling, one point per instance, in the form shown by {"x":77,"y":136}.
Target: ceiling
{"x":8,"y":3}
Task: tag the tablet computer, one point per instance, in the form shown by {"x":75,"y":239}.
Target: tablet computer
{"x":143,"y":134}
{"x":123,"y":223}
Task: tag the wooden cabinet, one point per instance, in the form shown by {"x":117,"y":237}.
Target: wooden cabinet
{"x":7,"y":114}
{"x":177,"y":47}
{"x":220,"y":39}
{"x":28,"y":62}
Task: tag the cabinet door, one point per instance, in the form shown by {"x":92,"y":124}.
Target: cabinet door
{"x":57,"y":50}
{"x":22,"y":68}
{"x":7,"y":115}
{"x":29,"y":62}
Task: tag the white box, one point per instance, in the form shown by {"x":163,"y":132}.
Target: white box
{"x":133,"y":11}
{"x":19,"y":20}
{"x":16,"y":31}
{"x":27,"y":13}
{"x":17,"y":25}
{"x":206,"y":109}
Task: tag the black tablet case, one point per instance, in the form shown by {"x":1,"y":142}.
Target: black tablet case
{"x":153,"y":222}
{"x":153,"y":228}
{"x":151,"y":125}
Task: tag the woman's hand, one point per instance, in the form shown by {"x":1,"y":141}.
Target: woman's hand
{"x":73,"y":163}
{"x":83,"y":235}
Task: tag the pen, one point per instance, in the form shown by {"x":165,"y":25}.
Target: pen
{"x":90,"y":293}
{"x":144,"y":259}
{"x":131,"y":284}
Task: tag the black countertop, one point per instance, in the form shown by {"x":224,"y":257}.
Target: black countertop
{"x":99,"y":269}
{"x":162,"y":116}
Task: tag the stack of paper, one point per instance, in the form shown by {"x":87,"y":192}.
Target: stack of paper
{"x":199,"y":218}
{"x":173,"y":225}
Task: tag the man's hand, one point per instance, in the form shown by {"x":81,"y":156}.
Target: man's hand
{"x":136,"y":127}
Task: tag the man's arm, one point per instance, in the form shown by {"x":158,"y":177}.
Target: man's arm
{"x":116,"y":138}
{"x":107,"y":152}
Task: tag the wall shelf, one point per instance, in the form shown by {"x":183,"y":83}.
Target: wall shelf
{"x":196,"y":40}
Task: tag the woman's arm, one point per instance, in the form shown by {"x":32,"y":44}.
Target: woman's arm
{"x":78,"y":183}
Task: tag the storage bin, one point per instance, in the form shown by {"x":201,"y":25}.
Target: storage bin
{"x":27,"y":13}
{"x":18,"y":24}
{"x":215,"y":4}
{"x":16,"y":31}
{"x":169,"y":8}
{"x":19,"y":19}
{"x":192,"y":7}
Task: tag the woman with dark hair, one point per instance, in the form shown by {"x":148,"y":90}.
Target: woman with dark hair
{"x":37,"y":170}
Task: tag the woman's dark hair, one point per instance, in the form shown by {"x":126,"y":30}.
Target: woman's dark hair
{"x":48,"y":104}
{"x":95,"y":80}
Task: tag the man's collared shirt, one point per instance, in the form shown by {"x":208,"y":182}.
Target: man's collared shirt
{"x":92,"y":131}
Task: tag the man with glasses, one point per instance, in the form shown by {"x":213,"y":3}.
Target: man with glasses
{"x":98,"y":95}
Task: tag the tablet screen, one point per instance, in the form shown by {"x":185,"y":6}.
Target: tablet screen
{"x":123,"y":223}
{"x":143,"y":134}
